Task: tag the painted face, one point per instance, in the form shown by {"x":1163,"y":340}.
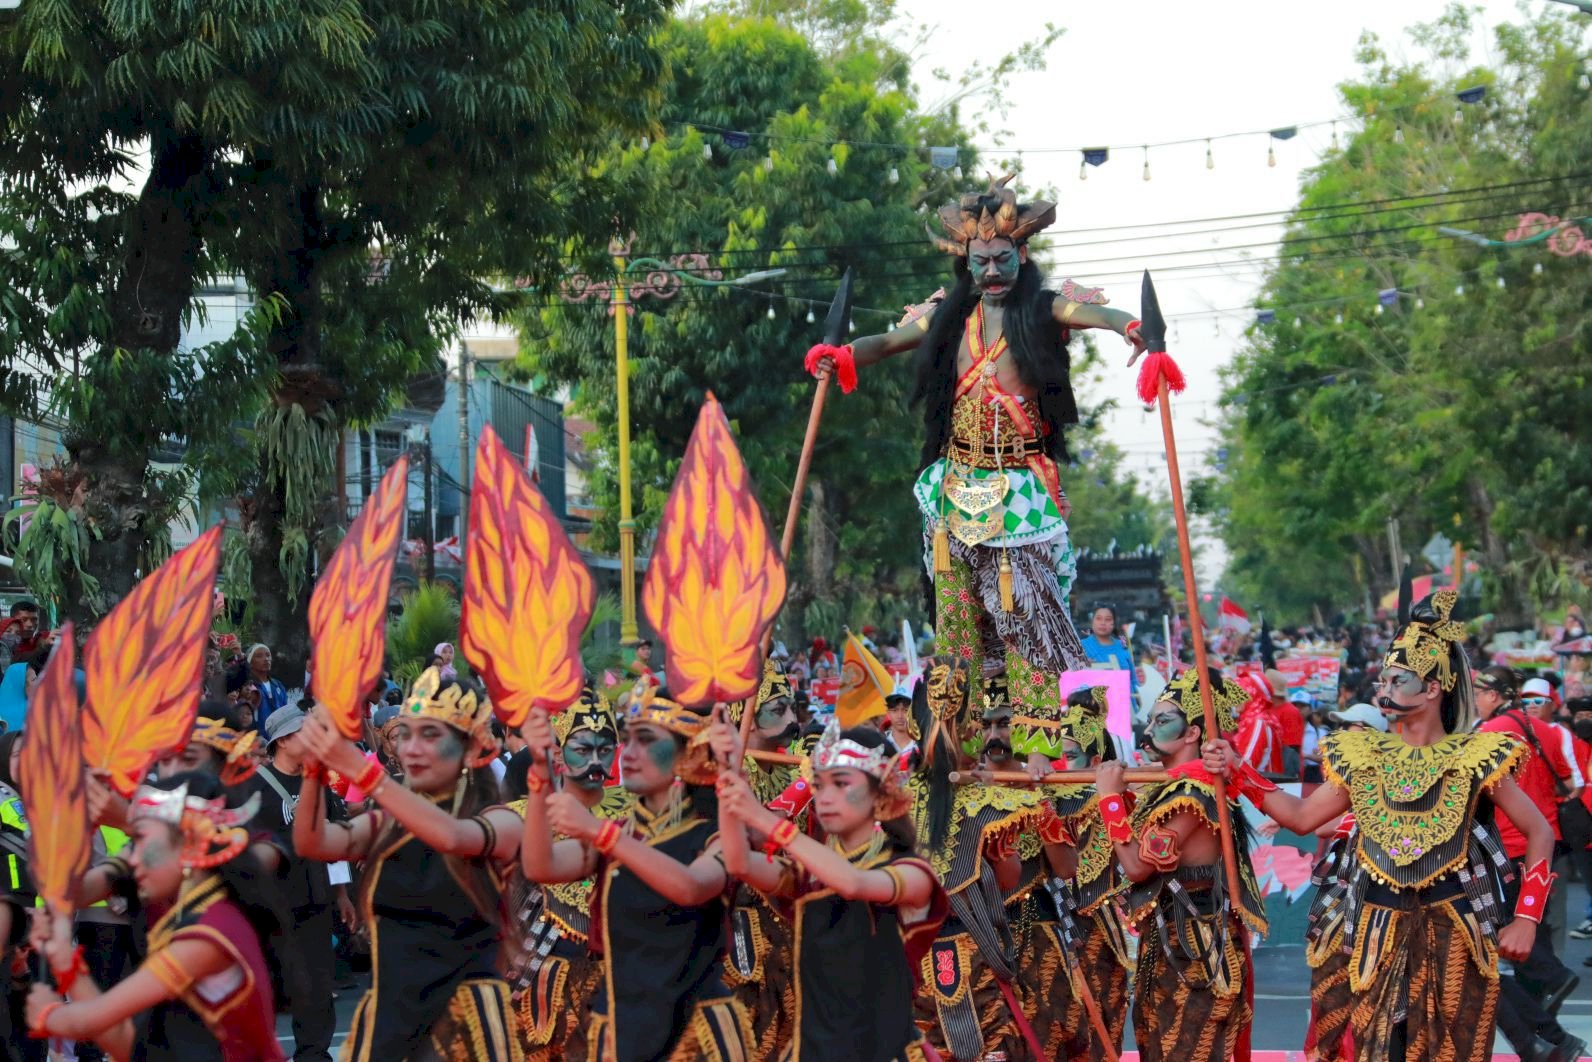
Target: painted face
{"x":1077,"y":758}
{"x":430,"y":753}
{"x":1166,"y":728}
{"x":776,"y":719}
{"x":156,"y":861}
{"x":998,"y":735}
{"x":589,"y":758}
{"x":995,"y":264}
{"x":1399,"y":689}
{"x":646,"y":761}
{"x":843,"y":799}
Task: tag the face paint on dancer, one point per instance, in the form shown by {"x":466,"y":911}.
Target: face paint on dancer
{"x":998,"y":736}
{"x":995,"y":265}
{"x":776,"y":720}
{"x":156,"y":860}
{"x":647,"y":760}
{"x":1166,"y":728}
{"x":843,"y":799}
{"x":430,"y":753}
{"x":1077,"y":759}
{"x":1400,"y":690}
{"x":589,"y":758}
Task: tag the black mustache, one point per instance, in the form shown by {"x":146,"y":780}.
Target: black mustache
{"x":792,"y":729}
{"x":594,"y":773}
{"x":1388,"y":704}
{"x":997,"y":746}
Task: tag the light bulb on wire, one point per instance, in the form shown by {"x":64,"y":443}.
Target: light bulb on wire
{"x":707,"y":152}
{"x":895,"y":175}
{"x":770,"y":311}
{"x":810,"y":317}
{"x":1210,"y":159}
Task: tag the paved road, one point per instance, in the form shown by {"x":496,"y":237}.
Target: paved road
{"x":1282,"y":1000}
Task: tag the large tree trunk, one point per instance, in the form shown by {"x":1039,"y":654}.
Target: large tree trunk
{"x":155,"y":286}
{"x":1510,"y":603}
{"x":281,"y":607}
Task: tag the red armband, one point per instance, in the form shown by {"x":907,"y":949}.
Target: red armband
{"x":40,"y":1029}
{"x":607,"y":838}
{"x":1248,"y":782}
{"x":1054,"y":831}
{"x":780,"y":837}
{"x":65,"y":979}
{"x":1114,"y":816}
{"x":845,"y":364}
{"x":1534,"y":889}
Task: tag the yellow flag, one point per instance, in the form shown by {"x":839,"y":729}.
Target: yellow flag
{"x":864,"y":684}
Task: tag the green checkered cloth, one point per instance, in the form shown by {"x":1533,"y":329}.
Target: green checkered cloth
{"x":1027,"y":514}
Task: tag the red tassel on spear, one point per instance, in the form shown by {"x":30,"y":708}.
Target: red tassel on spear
{"x":1159,"y":379}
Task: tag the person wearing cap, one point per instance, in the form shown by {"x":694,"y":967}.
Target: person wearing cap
{"x":1359,"y":717}
{"x":305,"y":886}
{"x":1289,"y":723}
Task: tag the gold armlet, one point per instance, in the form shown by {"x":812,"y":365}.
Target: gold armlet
{"x":169,"y":973}
{"x":1068,"y":310}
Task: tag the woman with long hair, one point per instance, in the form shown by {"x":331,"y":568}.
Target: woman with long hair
{"x":864,"y":907}
{"x":658,"y":918}
{"x":433,"y":850}
{"x":204,"y":982}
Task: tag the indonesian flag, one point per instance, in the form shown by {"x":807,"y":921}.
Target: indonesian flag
{"x":1230,"y":617}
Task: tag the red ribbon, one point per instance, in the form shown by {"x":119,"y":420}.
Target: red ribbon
{"x":845,"y":364}
{"x":1158,"y":364}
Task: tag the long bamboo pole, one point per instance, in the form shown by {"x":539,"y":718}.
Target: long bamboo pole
{"x":1196,"y":629}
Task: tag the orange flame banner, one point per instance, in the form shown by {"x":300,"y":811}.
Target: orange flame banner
{"x":716,"y":580}
{"x":348,"y":610}
{"x":51,"y":776}
{"x":144,"y":662}
{"x":527,"y":596}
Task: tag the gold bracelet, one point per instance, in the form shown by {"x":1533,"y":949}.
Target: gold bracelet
{"x":895,"y":886}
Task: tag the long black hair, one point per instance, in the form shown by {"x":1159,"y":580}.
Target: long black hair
{"x":1039,"y":350}
{"x":935,"y":765}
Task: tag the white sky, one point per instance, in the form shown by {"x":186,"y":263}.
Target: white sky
{"x":1160,"y":70}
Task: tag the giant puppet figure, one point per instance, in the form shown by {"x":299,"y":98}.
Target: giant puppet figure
{"x":994,"y":380}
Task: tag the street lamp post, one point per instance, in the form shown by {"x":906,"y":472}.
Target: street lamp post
{"x":655,"y":279}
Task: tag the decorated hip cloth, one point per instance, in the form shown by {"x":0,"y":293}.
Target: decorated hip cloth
{"x":996,"y":540}
{"x":554,"y":974}
{"x":1419,"y":894}
{"x":1194,"y":983}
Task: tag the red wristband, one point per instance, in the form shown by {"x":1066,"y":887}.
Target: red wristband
{"x":1534,"y":888}
{"x":1114,"y":816}
{"x":845,"y":364}
{"x":607,"y":838}
{"x":1248,"y":782}
{"x":315,"y":771}
{"x":536,"y":783}
{"x":370,"y":777}
{"x":1131,"y":325}
{"x":65,"y":981}
{"x":40,"y":1030}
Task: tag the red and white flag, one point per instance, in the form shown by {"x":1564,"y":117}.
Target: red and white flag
{"x":1230,"y":617}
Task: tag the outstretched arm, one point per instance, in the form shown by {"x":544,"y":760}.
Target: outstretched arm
{"x":1303,"y":816}
{"x":1092,"y":315}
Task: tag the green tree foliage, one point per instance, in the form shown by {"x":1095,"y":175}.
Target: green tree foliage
{"x":429,"y":616}
{"x":1460,"y":409}
{"x":814,"y":74}
{"x":368,"y":165}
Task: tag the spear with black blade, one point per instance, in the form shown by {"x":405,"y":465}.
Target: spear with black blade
{"x":835,"y":327}
{"x":1159,"y":379}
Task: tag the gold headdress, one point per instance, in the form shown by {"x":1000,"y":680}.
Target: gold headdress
{"x":237,"y":748}
{"x":455,"y":705}
{"x":591,"y":712}
{"x":997,"y":697}
{"x":1226,"y":697}
{"x":1428,"y":641}
{"x":993,"y":215}
{"x":212,"y":833}
{"x":944,"y":703}
{"x":1086,"y":723}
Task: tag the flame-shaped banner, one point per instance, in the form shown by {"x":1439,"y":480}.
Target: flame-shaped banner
{"x":348,"y":610}
{"x":144,"y":662}
{"x":715,"y":581}
{"x":51,"y":776}
{"x":527,"y":596}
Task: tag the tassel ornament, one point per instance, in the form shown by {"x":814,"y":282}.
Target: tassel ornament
{"x":1008,"y":599}
{"x":942,"y":550}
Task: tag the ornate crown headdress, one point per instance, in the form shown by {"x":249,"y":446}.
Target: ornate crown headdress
{"x":997,"y":696}
{"x":994,"y":215}
{"x":455,"y":705}
{"x":591,"y":712}
{"x":649,"y":704}
{"x":212,"y":833}
{"x":1226,"y":697}
{"x":1428,"y":641}
{"x":1086,"y":723}
{"x":237,"y":748}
